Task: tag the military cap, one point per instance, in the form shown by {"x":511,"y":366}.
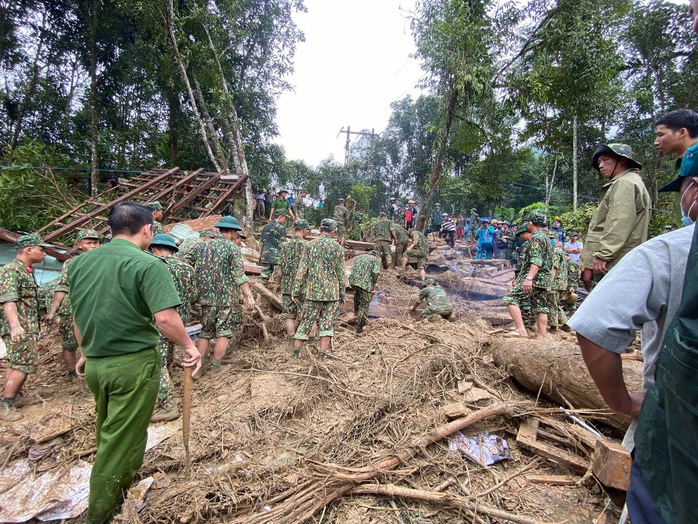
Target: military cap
{"x":162,"y":239}
{"x":242,"y":235}
{"x":430,"y":282}
{"x":301,"y":223}
{"x":382,"y":214}
{"x":521,"y":229}
{"x":574,"y":234}
{"x":374,"y":253}
{"x":279,"y":213}
{"x":340,"y":200}
{"x":536,"y":218}
{"x":282,"y":191}
{"x":437,"y":204}
{"x":34,"y":239}
{"x":87,"y":233}
{"x":485,"y":221}
{"x":301,"y":191}
{"x":155,"y":205}
{"x":228,"y":222}
{"x":328,"y":223}
{"x":393,"y":198}
{"x":552,"y":234}
{"x":689,"y":167}
{"x":506,"y":222}
{"x":621,"y":150}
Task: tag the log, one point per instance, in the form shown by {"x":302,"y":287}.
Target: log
{"x":268,"y":295}
{"x":526,"y":437}
{"x":263,"y":323}
{"x":474,"y":286}
{"x":252,"y":270}
{"x":556,"y":369}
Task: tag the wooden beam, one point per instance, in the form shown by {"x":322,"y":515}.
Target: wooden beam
{"x":527,"y":437}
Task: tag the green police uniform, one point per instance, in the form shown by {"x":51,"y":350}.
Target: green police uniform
{"x":115,"y":291}
{"x":320,"y":281}
{"x":18,"y":285}
{"x":289,"y":260}
{"x":383,"y":242}
{"x":401,"y":243}
{"x":283,"y":206}
{"x":539,"y":253}
{"x":273,"y":235}
{"x":363,"y":278}
{"x":420,"y":251}
{"x":438,"y":302}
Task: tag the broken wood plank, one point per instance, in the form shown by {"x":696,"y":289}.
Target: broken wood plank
{"x":611,"y":464}
{"x":527,"y":437}
{"x":53,"y":425}
{"x":552,"y":480}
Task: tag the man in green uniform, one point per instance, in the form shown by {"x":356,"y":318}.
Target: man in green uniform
{"x":385,"y":235}
{"x":273,"y":235}
{"x":556,"y":317}
{"x":363,"y":278}
{"x":620,"y":222}
{"x":164,"y":247}
{"x":220,"y":276}
{"x":299,"y":206}
{"x":419,"y":248}
{"x":402,"y":240}
{"x":281,"y":204}
{"x":320,"y":282}
{"x":289,"y":260}
{"x":341,"y":217}
{"x":119,"y":295}
{"x":535,"y":279}
{"x":19,"y":320}
{"x":158,"y":213}
{"x":61,"y":311}
{"x":474,"y":225}
{"x":438,"y":302}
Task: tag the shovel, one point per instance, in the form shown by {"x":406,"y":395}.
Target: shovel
{"x":186,"y":415}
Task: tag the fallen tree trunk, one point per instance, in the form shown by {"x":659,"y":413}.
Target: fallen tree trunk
{"x":555,"y":368}
{"x":271,"y":297}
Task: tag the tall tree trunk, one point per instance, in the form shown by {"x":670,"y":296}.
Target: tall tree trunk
{"x":574,"y":162}
{"x":549,"y":182}
{"x":94,"y":111}
{"x":175,"y":110}
{"x":208,"y":121}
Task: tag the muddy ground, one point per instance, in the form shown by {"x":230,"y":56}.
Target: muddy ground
{"x":277,"y":439}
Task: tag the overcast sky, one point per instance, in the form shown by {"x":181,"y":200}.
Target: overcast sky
{"x":354,"y":63}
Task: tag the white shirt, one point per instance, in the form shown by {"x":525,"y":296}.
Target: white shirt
{"x":576,"y":245}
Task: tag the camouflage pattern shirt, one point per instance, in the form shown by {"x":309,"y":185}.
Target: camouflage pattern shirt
{"x":540,"y":253}
{"x":17,"y":284}
{"x":383,"y":230}
{"x":185,"y":283}
{"x":299,"y":208}
{"x":157,"y":228}
{"x":289,"y":260}
{"x":219,"y":273}
{"x":401,"y":232}
{"x":65,"y":308}
{"x":365,"y":272}
{"x":273,"y":235}
{"x":420,"y":243}
{"x":560,"y":267}
{"x":341,"y":214}
{"x":189,"y":250}
{"x":321,"y":271}
{"x":436,"y":298}
{"x":573,"y":273}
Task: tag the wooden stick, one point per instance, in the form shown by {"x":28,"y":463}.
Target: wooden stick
{"x":186,"y":415}
{"x":263,"y":324}
{"x":268,"y":295}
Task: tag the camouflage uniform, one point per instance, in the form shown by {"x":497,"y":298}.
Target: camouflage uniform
{"x":187,"y":250}
{"x":65,"y":311}
{"x":341,"y":216}
{"x":438,"y":302}
{"x":573,"y":274}
{"x":273,"y":235}
{"x":18,"y":285}
{"x":363,"y":278}
{"x":299,"y":208}
{"x":219,"y":273}
{"x":540,"y":253}
{"x":556,"y":317}
{"x":320,"y":281}
{"x":289,"y":260}
{"x":157,"y":228}
{"x":474,"y":226}
{"x":420,"y":251}
{"x":403,"y":240}
{"x":383,"y":241}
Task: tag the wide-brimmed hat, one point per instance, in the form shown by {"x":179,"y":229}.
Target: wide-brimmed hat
{"x":162,"y":239}
{"x":617,"y":149}
{"x":229,"y":222}
{"x":521,"y":229}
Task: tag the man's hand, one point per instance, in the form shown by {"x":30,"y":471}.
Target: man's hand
{"x":80,"y":366}
{"x":600,"y":266}
{"x":17,"y":333}
{"x":528,"y":286}
{"x":636,"y":404}
{"x":192,"y":358}
{"x":50,"y":317}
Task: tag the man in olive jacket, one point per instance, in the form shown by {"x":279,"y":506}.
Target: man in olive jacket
{"x":623,"y":216}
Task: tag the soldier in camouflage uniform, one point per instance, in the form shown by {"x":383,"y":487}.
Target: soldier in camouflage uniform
{"x":289,"y":260}
{"x":190,"y":247}
{"x":273,"y":235}
{"x":523,"y":236}
{"x":19,"y":321}
{"x":363,"y":278}
{"x":61,"y":310}
{"x":438,"y":302}
{"x":402,"y":240}
{"x":299,"y":206}
{"x":384,"y":239}
{"x":419,"y":248}
{"x":341,"y":217}
{"x":556,"y":317}
{"x":573,"y":273}
{"x":219,"y":278}
{"x":164,"y":247}
{"x":474,"y":224}
{"x":320,"y":282}
{"x":535,"y":279}
{"x":158,"y":213}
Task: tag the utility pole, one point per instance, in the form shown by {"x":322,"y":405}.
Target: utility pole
{"x":349,"y":132}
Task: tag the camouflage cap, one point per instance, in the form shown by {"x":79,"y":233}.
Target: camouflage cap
{"x":329,"y":224}
{"x":164,"y":240}
{"x":536,"y":218}
{"x":301,"y":223}
{"x":155,"y":205}
{"x":87,"y":233}
{"x":34,"y":239}
{"x":552,"y":234}
{"x":430,"y":282}
{"x":521,"y":229}
{"x":228,"y":222}
{"x":382,"y":214}
{"x":279,"y":213}
{"x":301,"y":191}
{"x":574,"y":234}
{"x":621,"y":150}
{"x":374,"y":253}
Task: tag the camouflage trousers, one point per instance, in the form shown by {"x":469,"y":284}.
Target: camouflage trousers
{"x":556,"y":316}
{"x":267,"y":272}
{"x":22,"y":355}
{"x":341,"y":229}
{"x":383,"y":248}
{"x":166,"y":388}
{"x":324,"y":313}
{"x":400,"y":249}
{"x":445,"y":312}
{"x":290,"y":307}
{"x":421,"y":257}
{"x":362,"y":301}
{"x":536,"y":301}
{"x":67,"y":333}
{"x":220,"y":321}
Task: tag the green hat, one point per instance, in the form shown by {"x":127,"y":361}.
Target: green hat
{"x":382,"y":214}
{"x":33,"y":239}
{"x":430,"y":282}
{"x":301,"y":223}
{"x":164,"y":240}
{"x":328,"y":223}
{"x":374,"y":253}
{"x":552,"y":234}
{"x":621,"y":150}
{"x":689,"y":167}
{"x":279,"y":213}
{"x":87,"y":233}
{"x":536,"y":218}
{"x":340,"y":200}
{"x":574,"y":234}
{"x":155,"y":205}
{"x":228,"y":222}
{"x":473,"y":210}
{"x":521,"y":229}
